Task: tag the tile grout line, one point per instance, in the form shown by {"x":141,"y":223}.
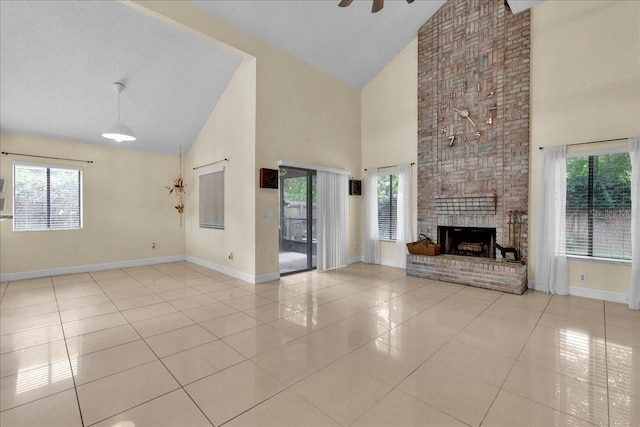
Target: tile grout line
{"x":120,"y":311}
{"x":66,"y":346}
{"x":393,"y":388}
{"x":545,"y":369}
{"x":207,"y":376}
{"x":53,"y":394}
{"x":450,"y":339}
{"x":289,"y":387}
{"x":158,"y":359}
{"x":181,"y":386}
{"x":506,"y":377}
{"x":64,"y":338}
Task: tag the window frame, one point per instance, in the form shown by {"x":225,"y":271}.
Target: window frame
{"x":590,"y":154}
{"x":393,"y":218}
{"x":48,"y":168}
{"x":201,"y":173}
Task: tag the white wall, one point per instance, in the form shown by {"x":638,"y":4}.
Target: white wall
{"x":302,"y":115}
{"x":306,"y":116}
{"x":390,"y":123}
{"x":585,"y":86}
{"x":276,"y":108}
{"x":228,"y":133}
{"x":125,"y":209}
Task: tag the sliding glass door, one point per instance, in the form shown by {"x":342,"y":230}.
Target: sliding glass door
{"x":297,"y":220}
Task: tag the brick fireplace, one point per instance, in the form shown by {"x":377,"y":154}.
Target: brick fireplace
{"x":473,"y":140}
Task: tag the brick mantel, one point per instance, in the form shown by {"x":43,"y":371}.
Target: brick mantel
{"x":473,"y":55}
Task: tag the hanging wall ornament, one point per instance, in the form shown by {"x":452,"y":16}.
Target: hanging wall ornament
{"x":178,"y":189}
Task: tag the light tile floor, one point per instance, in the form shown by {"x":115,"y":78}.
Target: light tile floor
{"x":179,"y":345}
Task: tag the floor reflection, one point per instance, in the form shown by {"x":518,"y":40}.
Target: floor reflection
{"x":33,"y":377}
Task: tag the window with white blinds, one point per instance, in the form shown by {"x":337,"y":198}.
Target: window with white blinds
{"x":212,"y":199}
{"x":387,"y":206}
{"x":46,"y":198}
{"x":598,"y":211}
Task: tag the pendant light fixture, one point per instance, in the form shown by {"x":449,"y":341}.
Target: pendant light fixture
{"x":119,"y":132}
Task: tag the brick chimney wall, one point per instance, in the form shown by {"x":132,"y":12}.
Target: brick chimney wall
{"x":474,"y":55}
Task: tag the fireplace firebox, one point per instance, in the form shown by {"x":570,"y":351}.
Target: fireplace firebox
{"x":467,"y":241}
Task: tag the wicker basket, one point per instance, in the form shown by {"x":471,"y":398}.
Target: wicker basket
{"x":424,"y":246}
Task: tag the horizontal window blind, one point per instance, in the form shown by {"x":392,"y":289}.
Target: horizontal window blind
{"x":46,"y":198}
{"x":598,"y":211}
{"x":212,"y":200}
{"x":387,"y":206}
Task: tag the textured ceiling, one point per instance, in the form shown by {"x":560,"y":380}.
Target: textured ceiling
{"x":58,"y":60}
{"x":352,"y":44}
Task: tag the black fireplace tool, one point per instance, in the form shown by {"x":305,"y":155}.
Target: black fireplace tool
{"x":512,"y":253}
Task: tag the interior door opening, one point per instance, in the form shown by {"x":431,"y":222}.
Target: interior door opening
{"x":298,"y":203}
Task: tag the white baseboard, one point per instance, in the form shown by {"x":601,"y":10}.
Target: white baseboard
{"x":8,"y":277}
{"x":599,"y":294}
{"x":592,"y":293}
{"x":234,"y":273}
{"x":355,"y":260}
{"x":388,"y":262}
{"x":267,"y":277}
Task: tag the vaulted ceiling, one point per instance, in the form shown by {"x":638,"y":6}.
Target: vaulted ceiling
{"x":59,"y":59}
{"x":352,"y":44}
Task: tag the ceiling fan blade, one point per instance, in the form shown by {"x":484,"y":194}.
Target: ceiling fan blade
{"x":377,"y":6}
{"x":345,"y":3}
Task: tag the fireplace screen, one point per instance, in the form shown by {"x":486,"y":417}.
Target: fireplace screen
{"x":467,"y":241}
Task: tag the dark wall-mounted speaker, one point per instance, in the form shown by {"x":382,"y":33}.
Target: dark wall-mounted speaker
{"x":355,"y":187}
{"x":268,"y":178}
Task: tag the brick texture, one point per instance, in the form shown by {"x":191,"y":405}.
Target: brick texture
{"x":465,"y":44}
{"x":488,"y":274}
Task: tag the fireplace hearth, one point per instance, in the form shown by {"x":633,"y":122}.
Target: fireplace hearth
{"x":467,"y":241}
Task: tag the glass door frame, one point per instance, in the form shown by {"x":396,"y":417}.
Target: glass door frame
{"x":310,"y":175}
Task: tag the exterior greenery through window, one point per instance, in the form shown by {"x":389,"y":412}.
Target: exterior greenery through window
{"x":598,"y":221}
{"x":295,"y":206}
{"x":387,"y":206}
{"x":46,"y":198}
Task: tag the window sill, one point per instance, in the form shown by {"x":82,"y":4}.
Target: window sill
{"x":387,"y":240}
{"x":599,"y":260}
{"x":47,"y":230}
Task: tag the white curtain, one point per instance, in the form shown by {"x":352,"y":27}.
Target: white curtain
{"x":404,"y":229}
{"x":333,"y":220}
{"x":551,"y":259}
{"x":634,"y":286}
{"x":371,"y":233}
